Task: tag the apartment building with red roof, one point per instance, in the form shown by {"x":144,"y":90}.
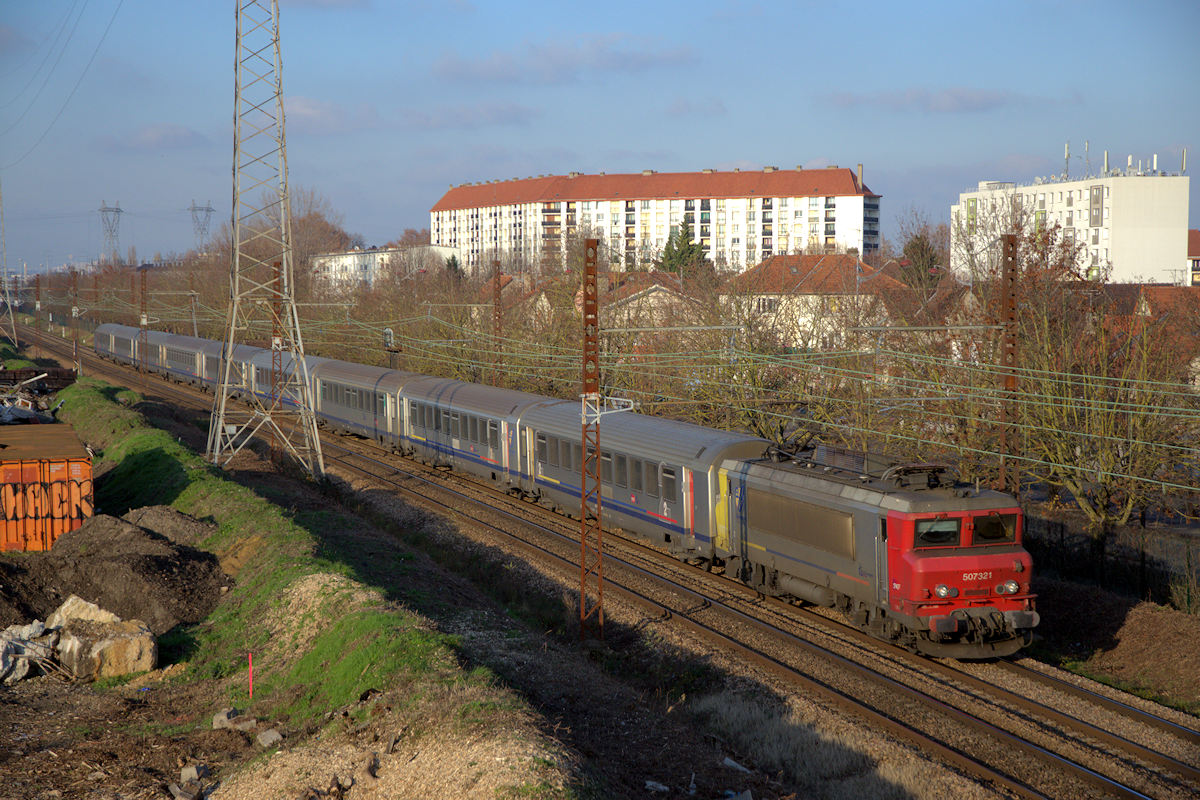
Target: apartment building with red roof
{"x":738,"y":217}
{"x":1193,"y":257}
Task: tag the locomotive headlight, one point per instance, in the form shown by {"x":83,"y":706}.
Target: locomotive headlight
{"x":1011,"y":587}
{"x":943,"y":591}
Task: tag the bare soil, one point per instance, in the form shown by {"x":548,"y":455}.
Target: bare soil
{"x":1133,"y":644}
{"x":149,"y":573}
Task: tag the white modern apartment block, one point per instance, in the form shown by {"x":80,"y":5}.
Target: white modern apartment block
{"x":349,"y":269}
{"x":738,"y":217}
{"x":1134,"y":220}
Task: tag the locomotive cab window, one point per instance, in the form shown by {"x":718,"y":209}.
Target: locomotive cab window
{"x":995,"y":529}
{"x":937,"y":533}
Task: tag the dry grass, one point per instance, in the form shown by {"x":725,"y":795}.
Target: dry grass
{"x":309,"y":605}
{"x":826,"y":761}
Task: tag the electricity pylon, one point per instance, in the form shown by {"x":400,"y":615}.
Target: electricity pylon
{"x":201,"y":218}
{"x":261,"y":304}
{"x":110,"y":219}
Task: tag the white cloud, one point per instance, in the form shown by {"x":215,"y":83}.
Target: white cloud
{"x":469,"y":117}
{"x":951,"y":100}
{"x":158,"y":137}
{"x":564,"y":62}
{"x":686,"y":108}
{"x":308,"y":115}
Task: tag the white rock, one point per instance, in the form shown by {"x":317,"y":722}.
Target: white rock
{"x":100,"y":650}
{"x":30,"y":631}
{"x":729,"y":762}
{"x":76,"y":608}
{"x":269,"y":738}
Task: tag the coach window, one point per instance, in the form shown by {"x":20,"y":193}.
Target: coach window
{"x":493,"y":434}
{"x":605,"y":467}
{"x":650,"y":470}
{"x":622,"y":471}
{"x":541,"y":448}
{"x":456,"y":426}
{"x":552,"y":451}
{"x":577,"y":450}
{"x":474,"y":429}
{"x":564,"y":454}
{"x":445,"y":422}
{"x":669,"y":489}
{"x":635,"y":474}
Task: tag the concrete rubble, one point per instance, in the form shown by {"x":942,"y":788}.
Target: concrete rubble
{"x":78,"y":641}
{"x":24,"y":395}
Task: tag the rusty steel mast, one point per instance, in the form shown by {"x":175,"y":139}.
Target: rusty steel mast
{"x":591,"y":535}
{"x":261,"y":303}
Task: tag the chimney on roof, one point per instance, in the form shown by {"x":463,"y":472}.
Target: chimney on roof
{"x":737,"y":169}
{"x":832,"y":166}
{"x":707,"y":171}
{"x":647,"y":172}
{"x":860,"y":175}
{"x":572,"y":174}
{"x":799,"y":168}
{"x":770,"y":169}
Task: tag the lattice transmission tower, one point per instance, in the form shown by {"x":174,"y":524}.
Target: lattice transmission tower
{"x":201,"y":219}
{"x":110,"y":219}
{"x":261,"y":304}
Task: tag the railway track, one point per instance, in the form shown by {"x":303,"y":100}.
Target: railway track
{"x":996,"y":735}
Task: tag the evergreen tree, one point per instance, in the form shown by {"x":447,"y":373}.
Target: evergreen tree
{"x":921,"y":271}
{"x":681,"y":255}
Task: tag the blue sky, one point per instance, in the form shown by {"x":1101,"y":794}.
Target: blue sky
{"x":388,"y":103}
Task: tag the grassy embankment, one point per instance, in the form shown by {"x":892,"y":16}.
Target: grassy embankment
{"x":321,"y":638}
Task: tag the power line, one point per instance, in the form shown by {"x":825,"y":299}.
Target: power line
{"x":74,"y":89}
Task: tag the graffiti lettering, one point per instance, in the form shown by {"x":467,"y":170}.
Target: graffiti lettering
{"x":58,"y":500}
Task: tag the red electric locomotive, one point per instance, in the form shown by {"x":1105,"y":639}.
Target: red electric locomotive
{"x":907,"y":552}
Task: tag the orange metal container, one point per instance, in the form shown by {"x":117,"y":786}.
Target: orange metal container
{"x":45,"y":485}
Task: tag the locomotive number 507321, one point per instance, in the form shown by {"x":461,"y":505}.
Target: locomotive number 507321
{"x":977,"y":576}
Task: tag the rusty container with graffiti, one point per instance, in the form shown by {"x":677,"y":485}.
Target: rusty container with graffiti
{"x":45,"y":485}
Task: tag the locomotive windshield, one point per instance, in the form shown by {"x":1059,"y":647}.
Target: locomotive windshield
{"x":937,"y":533}
{"x":995,"y":529}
